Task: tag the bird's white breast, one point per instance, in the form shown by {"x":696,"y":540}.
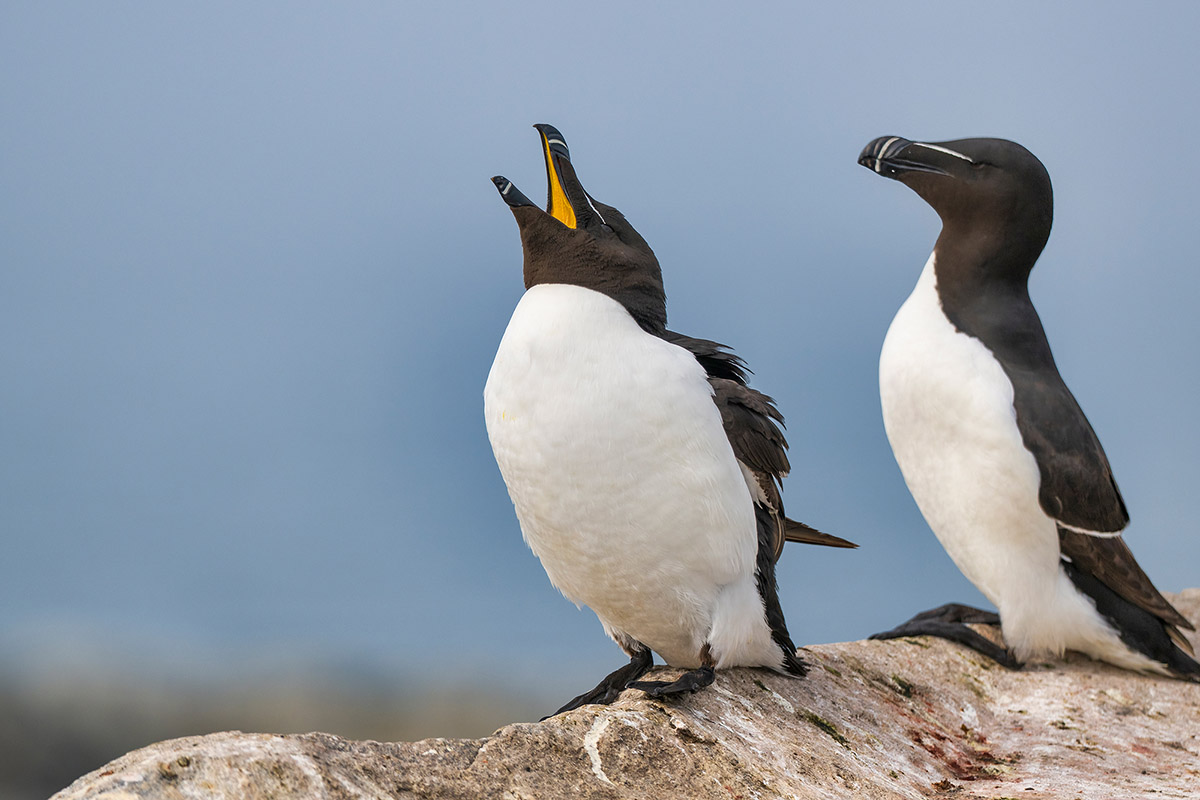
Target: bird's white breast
{"x":616,"y":460}
{"x":948,"y":411}
{"x":949,"y":415}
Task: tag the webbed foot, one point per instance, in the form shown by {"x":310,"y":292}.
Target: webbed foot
{"x":687,"y":682}
{"x":950,"y":622}
{"x":613,"y":684}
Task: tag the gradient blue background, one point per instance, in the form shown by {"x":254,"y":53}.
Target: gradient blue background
{"x":253,"y":274}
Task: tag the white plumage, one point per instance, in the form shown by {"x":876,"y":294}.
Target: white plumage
{"x":949,"y":415}
{"x":623,"y":478}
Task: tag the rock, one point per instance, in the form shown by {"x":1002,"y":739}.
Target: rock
{"x":911,"y":718}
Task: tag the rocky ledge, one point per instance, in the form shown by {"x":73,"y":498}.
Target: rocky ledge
{"x":911,"y":718}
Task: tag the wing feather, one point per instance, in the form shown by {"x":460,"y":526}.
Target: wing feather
{"x":754,"y":427}
{"x":1111,"y":562}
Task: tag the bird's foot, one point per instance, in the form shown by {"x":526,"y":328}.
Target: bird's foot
{"x":687,"y":682}
{"x":951,"y":622}
{"x":958,"y":612}
{"x":613,"y":684}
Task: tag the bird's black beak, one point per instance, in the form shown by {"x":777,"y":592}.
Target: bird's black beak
{"x":892,"y":156}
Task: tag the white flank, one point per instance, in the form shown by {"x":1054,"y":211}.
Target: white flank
{"x":623,"y":480}
{"x":948,"y":411}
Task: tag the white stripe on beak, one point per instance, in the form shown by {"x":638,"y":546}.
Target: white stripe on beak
{"x":945,"y":150}
{"x":882,"y":150}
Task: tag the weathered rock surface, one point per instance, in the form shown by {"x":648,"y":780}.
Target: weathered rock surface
{"x":912,"y":718}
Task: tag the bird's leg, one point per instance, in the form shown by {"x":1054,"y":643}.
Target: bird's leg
{"x":687,"y":682}
{"x":950,"y":622}
{"x":640,"y":660}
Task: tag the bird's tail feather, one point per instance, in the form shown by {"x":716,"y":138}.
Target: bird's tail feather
{"x":799,"y":532}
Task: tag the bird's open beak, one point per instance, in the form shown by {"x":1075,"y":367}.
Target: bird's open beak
{"x":565,"y":192}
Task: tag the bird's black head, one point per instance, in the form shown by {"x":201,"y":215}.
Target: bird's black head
{"x":580,"y":241}
{"x":993,"y":195}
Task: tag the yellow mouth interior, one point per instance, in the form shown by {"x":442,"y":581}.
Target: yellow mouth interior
{"x":560,"y":206}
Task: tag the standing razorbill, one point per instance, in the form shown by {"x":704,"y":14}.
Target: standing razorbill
{"x":644,"y":472}
{"x":998,"y":455}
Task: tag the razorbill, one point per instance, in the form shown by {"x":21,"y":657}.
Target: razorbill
{"x":644,"y":471}
{"x":994,"y":448}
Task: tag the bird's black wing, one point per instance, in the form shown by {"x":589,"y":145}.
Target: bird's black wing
{"x":1079,"y":491}
{"x":754,"y":427}
{"x":1077,"y":484}
{"x":1077,"y":488}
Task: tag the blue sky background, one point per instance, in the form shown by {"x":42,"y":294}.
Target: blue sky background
{"x":253,"y":274}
